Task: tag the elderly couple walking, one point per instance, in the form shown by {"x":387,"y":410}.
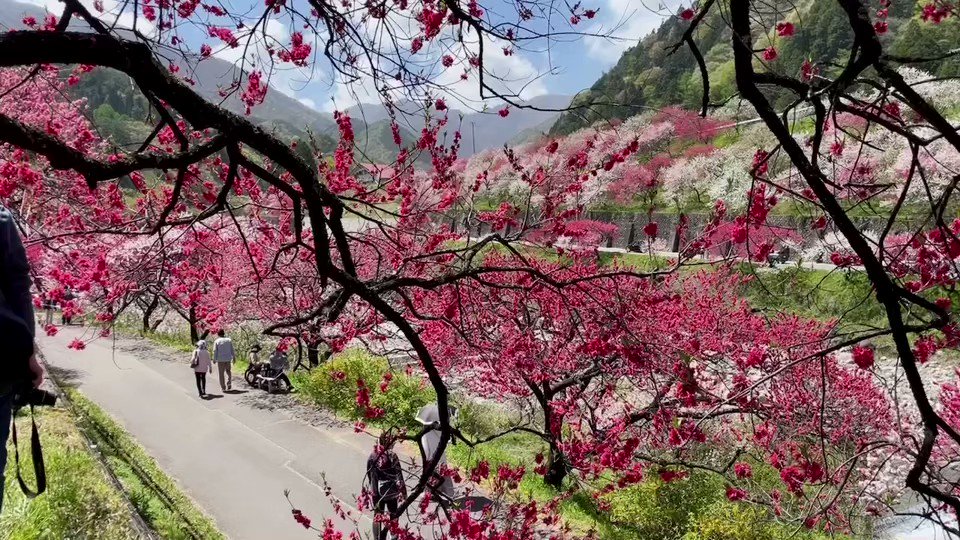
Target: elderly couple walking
{"x":223,"y":356}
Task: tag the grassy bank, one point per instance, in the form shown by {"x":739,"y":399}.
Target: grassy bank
{"x":80,"y":501}
{"x":164,"y":507}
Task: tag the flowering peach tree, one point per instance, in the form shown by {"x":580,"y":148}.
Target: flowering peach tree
{"x":621,"y":373}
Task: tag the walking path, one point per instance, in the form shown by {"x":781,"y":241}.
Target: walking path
{"x":233,"y":459}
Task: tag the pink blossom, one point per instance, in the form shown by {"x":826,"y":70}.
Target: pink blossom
{"x":862,"y":357}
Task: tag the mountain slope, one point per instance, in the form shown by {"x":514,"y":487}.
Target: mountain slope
{"x":478,"y":130}
{"x":648,"y":76}
{"x":278,"y":111}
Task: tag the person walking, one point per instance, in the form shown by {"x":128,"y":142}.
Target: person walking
{"x":17,"y":326}
{"x":201,"y":366}
{"x":48,"y":307}
{"x":386,"y":481}
{"x":224,"y":355}
{"x":66,"y":314}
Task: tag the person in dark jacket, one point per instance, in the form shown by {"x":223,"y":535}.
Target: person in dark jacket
{"x":386,"y":477}
{"x":16,"y":300}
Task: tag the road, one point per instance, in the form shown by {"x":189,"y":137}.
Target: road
{"x":809,"y":265}
{"x":234,"y":460}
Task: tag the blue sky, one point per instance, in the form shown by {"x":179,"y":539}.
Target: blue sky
{"x":566,"y":67}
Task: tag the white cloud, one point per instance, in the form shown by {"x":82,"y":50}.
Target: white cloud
{"x":284,"y":77}
{"x":308,"y":102}
{"x":114,"y":14}
{"x":506,"y":74}
{"x":626,"y":22}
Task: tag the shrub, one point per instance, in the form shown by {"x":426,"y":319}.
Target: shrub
{"x":482,"y":420}
{"x":658,"y":509}
{"x":334,"y":385}
{"x":724,"y":520}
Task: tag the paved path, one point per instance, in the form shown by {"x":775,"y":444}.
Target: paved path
{"x":233,"y":460}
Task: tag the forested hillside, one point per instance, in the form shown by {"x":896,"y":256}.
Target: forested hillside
{"x":650,"y":75}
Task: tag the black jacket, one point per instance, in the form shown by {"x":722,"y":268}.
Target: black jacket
{"x":386,"y":475}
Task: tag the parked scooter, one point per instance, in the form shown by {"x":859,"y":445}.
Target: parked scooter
{"x":272,"y":380}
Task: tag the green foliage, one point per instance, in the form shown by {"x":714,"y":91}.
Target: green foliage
{"x":326,"y":387}
{"x":816,"y":294}
{"x":651,"y":75}
{"x":104,"y":86}
{"x":723,"y":520}
{"x":156,"y":497}
{"x":118,"y":128}
{"x":919,"y":39}
{"x":482,"y":419}
{"x":726,"y":138}
{"x":79,"y":503}
{"x":658,"y":509}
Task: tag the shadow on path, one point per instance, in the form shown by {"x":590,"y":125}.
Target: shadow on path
{"x":65,"y":376}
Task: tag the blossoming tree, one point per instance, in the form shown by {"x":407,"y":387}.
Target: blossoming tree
{"x":628,"y":372}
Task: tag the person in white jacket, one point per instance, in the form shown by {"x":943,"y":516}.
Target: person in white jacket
{"x":224,"y":355}
{"x":201,"y":366}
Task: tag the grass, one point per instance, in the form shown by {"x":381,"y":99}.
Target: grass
{"x":164,"y":507}
{"x":175,"y":340}
{"x":80,"y":501}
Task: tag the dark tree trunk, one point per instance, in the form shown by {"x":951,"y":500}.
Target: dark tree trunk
{"x":556,"y":461}
{"x":678,"y":236}
{"x":299,"y":363}
{"x":192,"y":320}
{"x":556,"y":468}
{"x":148,"y":313}
{"x":313,"y":355}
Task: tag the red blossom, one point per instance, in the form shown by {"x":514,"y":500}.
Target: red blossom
{"x":300,"y":518}
{"x":735,"y":494}
{"x":862,"y":357}
{"x":785,"y":29}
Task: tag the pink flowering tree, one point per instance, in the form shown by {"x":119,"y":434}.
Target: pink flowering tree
{"x":630,"y":372}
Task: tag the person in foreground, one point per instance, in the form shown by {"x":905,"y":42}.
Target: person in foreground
{"x":17,"y":327}
{"x":224,"y":355}
{"x":201,"y":366}
{"x":386,"y":478}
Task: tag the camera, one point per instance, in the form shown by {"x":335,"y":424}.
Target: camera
{"x":34,"y":397}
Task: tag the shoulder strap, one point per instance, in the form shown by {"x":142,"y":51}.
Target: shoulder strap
{"x":37,"y":451}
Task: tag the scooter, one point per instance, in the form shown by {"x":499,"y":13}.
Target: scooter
{"x":268,"y":379}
